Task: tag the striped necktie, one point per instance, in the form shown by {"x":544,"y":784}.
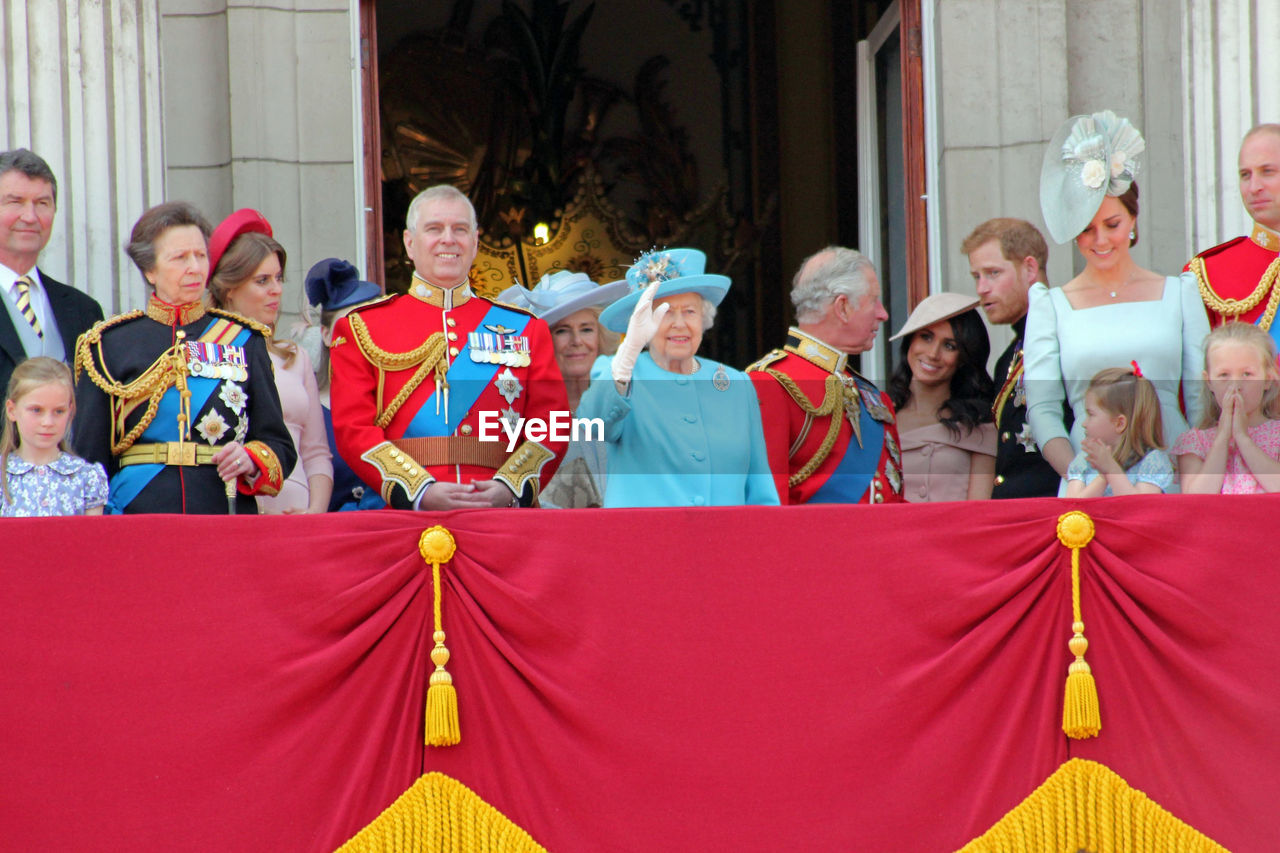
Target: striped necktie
{"x":24,"y":304}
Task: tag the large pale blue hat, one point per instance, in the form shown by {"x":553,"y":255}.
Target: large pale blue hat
{"x":1088,"y":159}
{"x":559,"y":294}
{"x":678,"y":270}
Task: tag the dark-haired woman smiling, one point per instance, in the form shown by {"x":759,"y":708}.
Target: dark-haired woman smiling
{"x":942,"y":393}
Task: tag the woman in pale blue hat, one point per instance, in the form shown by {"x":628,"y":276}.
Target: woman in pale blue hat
{"x":570,"y":304}
{"x":681,"y":430}
{"x":1114,"y":312}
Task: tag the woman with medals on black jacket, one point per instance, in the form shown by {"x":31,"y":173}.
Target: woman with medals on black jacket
{"x":178,"y":401}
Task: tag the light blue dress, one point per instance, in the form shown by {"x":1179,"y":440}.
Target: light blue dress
{"x":1065,"y":347}
{"x":680,"y":440}
{"x":1155,"y":468}
{"x":66,"y":486}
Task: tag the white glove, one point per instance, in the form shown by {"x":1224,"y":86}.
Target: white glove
{"x":640,"y":330}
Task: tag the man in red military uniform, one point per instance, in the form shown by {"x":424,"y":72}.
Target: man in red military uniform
{"x":829,"y":433}
{"x":443,"y":399}
{"x":1238,"y":279}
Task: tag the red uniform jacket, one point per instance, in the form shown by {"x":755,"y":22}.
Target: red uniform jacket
{"x":801,"y":389}
{"x":460,"y":387}
{"x":1235,"y":270}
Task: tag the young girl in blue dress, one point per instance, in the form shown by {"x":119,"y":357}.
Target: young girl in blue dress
{"x":38,"y":477}
{"x":1122,"y":451}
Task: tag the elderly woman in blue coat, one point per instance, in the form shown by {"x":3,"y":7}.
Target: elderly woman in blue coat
{"x":681,"y":430}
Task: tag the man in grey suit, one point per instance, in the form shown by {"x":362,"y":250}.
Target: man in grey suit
{"x":40,"y":316}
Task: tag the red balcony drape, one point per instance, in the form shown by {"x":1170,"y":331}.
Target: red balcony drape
{"x":809,"y":678}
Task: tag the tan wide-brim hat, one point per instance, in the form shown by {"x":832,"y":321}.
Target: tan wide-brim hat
{"x":934,"y":309}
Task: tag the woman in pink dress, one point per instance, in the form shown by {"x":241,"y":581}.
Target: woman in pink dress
{"x":248,"y":278}
{"x":943,"y":393}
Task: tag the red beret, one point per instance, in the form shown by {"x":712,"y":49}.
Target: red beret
{"x":244,"y":221}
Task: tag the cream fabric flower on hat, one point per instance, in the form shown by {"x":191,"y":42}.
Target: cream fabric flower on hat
{"x":1088,"y":158}
{"x":1093,"y":174}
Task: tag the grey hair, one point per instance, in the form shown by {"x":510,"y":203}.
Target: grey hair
{"x":708,"y":313}
{"x":30,"y":164}
{"x":141,"y":247}
{"x":439,"y":192}
{"x":821,"y":279}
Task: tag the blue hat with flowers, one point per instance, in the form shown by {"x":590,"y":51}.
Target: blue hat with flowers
{"x":559,"y":294}
{"x":1089,"y":158}
{"x":678,"y":270}
{"x":334,"y":283}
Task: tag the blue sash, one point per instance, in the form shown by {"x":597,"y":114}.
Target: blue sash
{"x":1274,"y":331}
{"x":467,"y":381}
{"x":129,"y":482}
{"x":850,"y":480}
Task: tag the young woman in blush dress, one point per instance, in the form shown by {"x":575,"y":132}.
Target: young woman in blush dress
{"x":943,"y":393}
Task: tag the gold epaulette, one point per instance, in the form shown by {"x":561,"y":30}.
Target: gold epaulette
{"x":766,"y":360}
{"x":510,"y":306}
{"x":386,"y":297}
{"x":261,"y":328}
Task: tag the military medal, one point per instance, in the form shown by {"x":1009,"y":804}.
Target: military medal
{"x":216,"y":361}
{"x":894,"y":477}
{"x":1026,"y":439}
{"x":508,"y":386}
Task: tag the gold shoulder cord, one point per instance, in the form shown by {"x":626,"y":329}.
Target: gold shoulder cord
{"x":164,"y":372}
{"x":261,"y":328}
{"x":428,"y":357}
{"x":1230,"y":309}
{"x":832,"y":404}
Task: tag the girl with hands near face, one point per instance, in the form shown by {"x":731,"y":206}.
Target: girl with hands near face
{"x":1237,"y":447}
{"x":1121,"y":453}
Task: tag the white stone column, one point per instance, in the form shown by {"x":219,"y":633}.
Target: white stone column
{"x":261,"y":111}
{"x":1002,"y":76}
{"x":1231,"y":75}
{"x":81,"y":87}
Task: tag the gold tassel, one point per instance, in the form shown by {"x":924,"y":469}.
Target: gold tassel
{"x":437,"y":546}
{"x":1080,"y":715}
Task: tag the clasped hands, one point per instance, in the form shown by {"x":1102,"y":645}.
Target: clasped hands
{"x":1233,"y":422}
{"x":476,"y":494}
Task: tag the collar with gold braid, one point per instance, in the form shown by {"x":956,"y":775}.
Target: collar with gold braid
{"x":1230,"y":309}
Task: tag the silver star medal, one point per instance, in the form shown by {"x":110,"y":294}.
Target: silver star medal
{"x":508,"y":386}
{"x":1026,"y":439}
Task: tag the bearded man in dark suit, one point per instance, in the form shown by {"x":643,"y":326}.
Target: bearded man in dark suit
{"x":40,"y":316}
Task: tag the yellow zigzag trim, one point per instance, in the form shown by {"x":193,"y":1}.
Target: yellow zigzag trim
{"x":1085,"y":805}
{"x":439,"y":814}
